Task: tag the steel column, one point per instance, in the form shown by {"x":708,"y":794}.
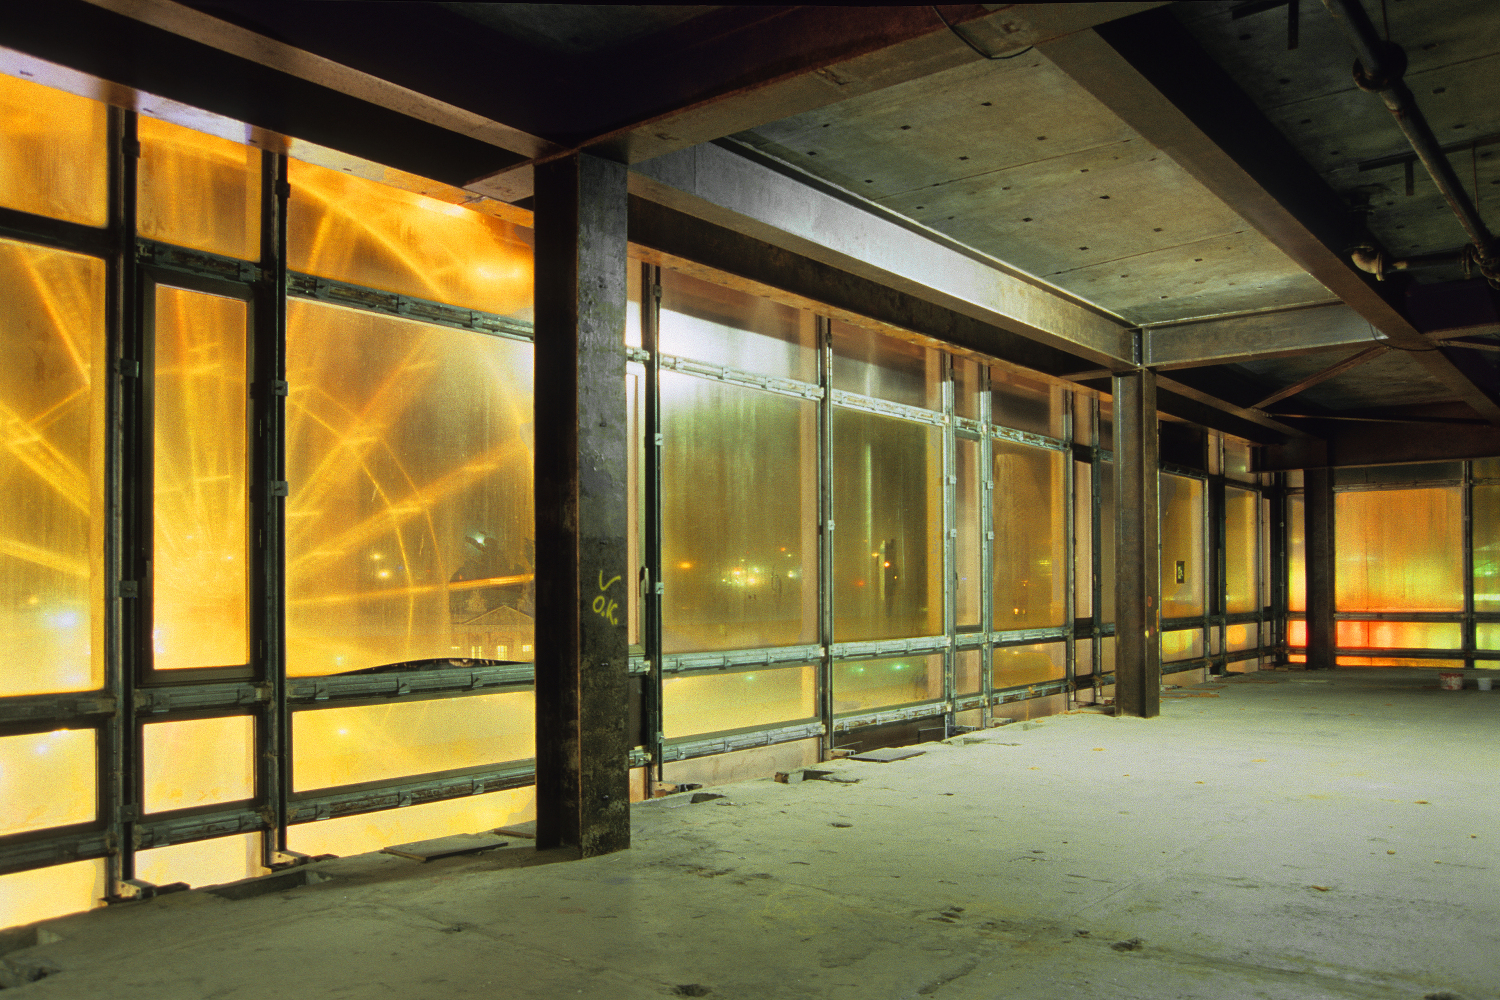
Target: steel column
{"x":1137,"y":549}
{"x":582,"y":663}
{"x":1318,"y":511}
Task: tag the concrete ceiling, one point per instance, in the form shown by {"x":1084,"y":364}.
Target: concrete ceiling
{"x":576,"y":28}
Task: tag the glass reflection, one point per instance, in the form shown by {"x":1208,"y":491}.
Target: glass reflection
{"x":1016,"y":666}
{"x":887,"y":511}
{"x":723,"y":326}
{"x":44,"y":893}
{"x":52,"y":156}
{"x":52,"y":457}
{"x":862,"y":685}
{"x":871,"y":364}
{"x":1030,"y":522}
{"x":366,"y":832}
{"x":739,"y":516}
{"x":707,"y":703}
{"x":409,"y":525}
{"x":46,"y":779}
{"x":198,"y":190}
{"x":1025,"y":404}
{"x":1399,"y":550}
{"x":968,"y":671}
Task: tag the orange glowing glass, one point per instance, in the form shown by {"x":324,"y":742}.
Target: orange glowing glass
{"x":1241,"y":549}
{"x":198,"y":762}
{"x":1486,"y":514}
{"x":197,"y":190}
{"x":717,"y":702}
{"x":1015,"y":666}
{"x":44,"y":893}
{"x":862,"y":685}
{"x":1182,"y":576}
{"x":1399,"y":550}
{"x":1296,"y":553}
{"x":51,"y":468}
{"x":200,"y":576}
{"x":351,"y":229}
{"x":52,"y":155}
{"x":373,"y":831}
{"x":1029,"y":517}
{"x":202,"y":862}
{"x":1399,"y":635}
{"x":46,"y":779}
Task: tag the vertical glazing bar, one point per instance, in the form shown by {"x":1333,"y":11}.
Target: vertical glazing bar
{"x":582,"y":657}
{"x":651,"y":618}
{"x":986,"y":544}
{"x":1319,"y":532}
{"x":1137,"y":552}
{"x":1097,"y":583}
{"x":950,"y":546}
{"x":1468,"y":626}
{"x":1070,"y":546}
{"x":1216,"y":541}
{"x":826,"y":528}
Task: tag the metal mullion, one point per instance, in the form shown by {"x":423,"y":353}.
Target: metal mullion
{"x":1216,"y":542}
{"x":651,"y":517}
{"x":1096,"y":516}
{"x":986,"y":544}
{"x":826,"y":528}
{"x":275,"y":730}
{"x":949,"y":527}
{"x":1070,"y":551}
{"x":1470,"y":641}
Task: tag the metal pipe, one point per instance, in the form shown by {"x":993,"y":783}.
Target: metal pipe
{"x":1379,"y":69}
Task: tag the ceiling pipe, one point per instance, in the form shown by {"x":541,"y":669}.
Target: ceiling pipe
{"x":1373,"y":260}
{"x":1379,"y":68}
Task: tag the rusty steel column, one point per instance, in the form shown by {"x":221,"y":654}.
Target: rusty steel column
{"x":1318,"y":509}
{"x":1137,"y":548}
{"x":582,"y":654}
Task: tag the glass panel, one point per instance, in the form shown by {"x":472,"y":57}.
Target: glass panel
{"x":708,"y":322}
{"x":1083,"y":418}
{"x":871,"y":364}
{"x":1083,"y":541}
{"x":887,"y":510}
{"x":43,"y":893}
{"x":1107,"y":655}
{"x":1296,"y":554}
{"x":1487,"y":636}
{"x":633,"y":303}
{"x":1215,"y":448}
{"x":1186,"y":644}
{"x":968,"y":671}
{"x":372,"y":831}
{"x":203,"y":862}
{"x":198,"y":190}
{"x":46,"y":779}
{"x":966,"y":387}
{"x":1107,"y":541}
{"x":739,"y":516}
{"x":1237,"y":459}
{"x":1083,"y":658}
{"x":709,"y":703}
{"x":1025,"y":404}
{"x":200,"y":571}
{"x":1296,"y":632}
{"x":1425,"y":472}
{"x":1486,"y":468}
{"x":1182,"y":575}
{"x":1240,"y":549}
{"x":1399,"y":550}
{"x":1399,"y":635}
{"x":1107,"y":423}
{"x":52,"y":153}
{"x":1029,"y":519}
{"x":1265,"y":552}
{"x":1015,"y":666}
{"x":635,"y":491}
{"x":1295,"y":479}
{"x":351,"y":229}
{"x":861,"y":685}
{"x":409,"y":528}
{"x":345,"y":746}
{"x":1486,"y":513}
{"x":1399,"y":661}
{"x":198,"y":762}
{"x":1240,"y":637}
{"x":967,"y":545}
{"x":52,"y":455}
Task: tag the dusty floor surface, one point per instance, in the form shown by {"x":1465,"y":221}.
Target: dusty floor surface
{"x":1282,"y":835}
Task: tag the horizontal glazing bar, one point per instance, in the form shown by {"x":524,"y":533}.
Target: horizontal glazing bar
{"x":1378,"y":652}
{"x":348,"y":802}
{"x":199,"y":262}
{"x":637,"y":354}
{"x":639,"y":665}
{"x":195,"y":697}
{"x":700,"y":747}
{"x":905,"y":713}
{"x":1031,"y":691}
{"x":732,"y":658}
{"x":1397,"y":616}
{"x":1027,"y":437}
{"x":1246,"y":654}
{"x":734,"y":376}
{"x":1028,"y":636}
{"x":62,"y":235}
{"x":890,"y":647}
{"x":56,"y":848}
{"x":202,"y":826}
{"x":449,"y":680}
{"x":870,"y":404}
{"x":1382,"y":487}
{"x":60,"y":708}
{"x":1179,"y":666}
{"x":391,"y":303}
{"x":1182,"y":470}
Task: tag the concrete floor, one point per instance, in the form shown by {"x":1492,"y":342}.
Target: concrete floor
{"x":1282,"y":835}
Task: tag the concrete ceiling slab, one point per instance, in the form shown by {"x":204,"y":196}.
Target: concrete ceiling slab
{"x":1393,"y":380}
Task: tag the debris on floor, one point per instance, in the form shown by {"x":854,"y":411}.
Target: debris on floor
{"x":446,"y":847}
{"x":887,"y":754}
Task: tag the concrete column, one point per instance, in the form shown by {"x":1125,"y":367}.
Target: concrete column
{"x":582,"y":654}
{"x":1137,"y":548}
{"x":1318,"y":509}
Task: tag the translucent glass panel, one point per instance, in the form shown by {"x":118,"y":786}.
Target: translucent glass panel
{"x":1486,"y":636}
{"x":1486,"y":512}
{"x":46,"y":779}
{"x":1016,"y":666}
{"x":862,"y":685}
{"x":633,"y":303}
{"x":345,"y":746}
{"x":1083,"y":541}
{"x":409,"y":526}
{"x":1030,"y":519}
{"x":966,"y":387}
{"x":1182,"y":576}
{"x":1107,"y":541}
{"x":1025,"y":404}
{"x":968,"y":671}
{"x":52,"y":153}
{"x":200,"y":563}
{"x":635,"y":492}
{"x":198,"y":762}
{"x":1399,"y":635}
{"x":1296,"y":632}
{"x":351,"y":229}
{"x":739,"y":516}
{"x":1399,"y":550}
{"x":1265,"y":552}
{"x":887,"y":511}
{"x":372,"y":831}
{"x":198,"y":190}
{"x":967,"y":544}
{"x":202,"y":862}
{"x":52,"y":469}
{"x":1238,"y":638}
{"x":44,"y":893}
{"x":1296,"y":553}
{"x":1237,"y":459}
{"x":1107,"y":423}
{"x":1083,"y":418}
{"x":1486,"y":468}
{"x":1241,"y":549}
{"x":1399,"y":661}
{"x":708,"y":703}
{"x":871,"y":364}
{"x":1186,"y":644}
{"x":1083,"y":658}
{"x":708,"y":322}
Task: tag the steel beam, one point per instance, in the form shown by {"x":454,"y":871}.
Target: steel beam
{"x":1355,"y":443}
{"x":582,"y":661}
{"x":1351,"y":362}
{"x":790,"y":210}
{"x":1318,"y":510}
{"x":1228,"y":339}
{"x":1150,"y":72}
{"x":1137,"y":553}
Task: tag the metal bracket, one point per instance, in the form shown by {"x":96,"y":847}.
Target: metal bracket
{"x":279,"y":487}
{"x":128,"y":367}
{"x":279,"y":388}
{"x":128,"y":588}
